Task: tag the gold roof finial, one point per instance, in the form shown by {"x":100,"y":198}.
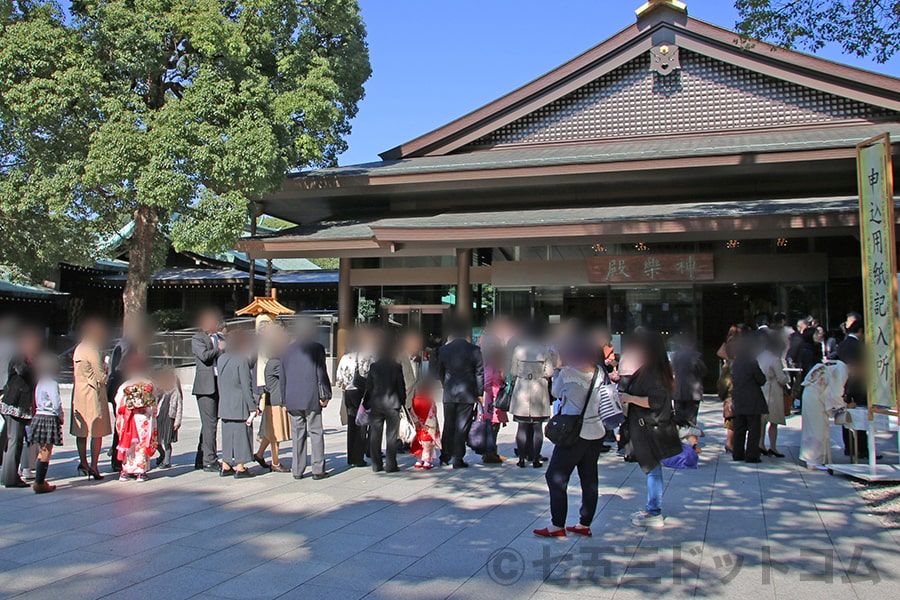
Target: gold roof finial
{"x":651,"y":4}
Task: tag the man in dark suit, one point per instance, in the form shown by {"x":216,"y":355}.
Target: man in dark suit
{"x":207,"y":345}
{"x":306,"y":390}
{"x":851,"y":352}
{"x":461,"y":369}
{"x":689,"y":370}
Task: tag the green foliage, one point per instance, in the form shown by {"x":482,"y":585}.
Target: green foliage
{"x":171,"y":319}
{"x":331,"y":264}
{"x":192,"y":107}
{"x":866,"y":28}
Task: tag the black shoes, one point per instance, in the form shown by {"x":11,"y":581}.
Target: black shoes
{"x":245,"y":474}
{"x":262,"y":463}
{"x":460,"y":464}
{"x":212,"y":468}
{"x":320,"y":476}
{"x":18,"y":484}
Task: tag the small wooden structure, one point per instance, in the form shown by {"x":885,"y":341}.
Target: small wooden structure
{"x":265,"y":305}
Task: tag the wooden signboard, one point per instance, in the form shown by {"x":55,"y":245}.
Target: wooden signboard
{"x":879,"y":251}
{"x":651,"y":268}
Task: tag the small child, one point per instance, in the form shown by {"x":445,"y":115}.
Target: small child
{"x":428,"y":432}
{"x":168,"y":421}
{"x":46,"y":427}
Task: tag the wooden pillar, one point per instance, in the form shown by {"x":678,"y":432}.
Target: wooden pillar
{"x":345,"y":307}
{"x":464,"y":285}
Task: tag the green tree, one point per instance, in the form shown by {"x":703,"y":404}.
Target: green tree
{"x":176,"y":114}
{"x":866,"y":28}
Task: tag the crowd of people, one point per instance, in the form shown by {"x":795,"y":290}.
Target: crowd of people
{"x":569,"y":384}
{"x":772,"y":369}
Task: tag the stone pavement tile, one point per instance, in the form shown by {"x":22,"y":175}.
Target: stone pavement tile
{"x":240,"y":557}
{"x":175,"y":584}
{"x":38,"y":549}
{"x":209,"y":517}
{"x":407,"y":587}
{"x":415,"y":541}
{"x":381,"y":524}
{"x":270,"y":580}
{"x":28,"y":577}
{"x":355,"y":509}
{"x":322,"y":592}
{"x":364,"y":575}
{"x":127,"y":523}
{"x":314,"y":527}
{"x":138,"y":541}
{"x":333,"y":548}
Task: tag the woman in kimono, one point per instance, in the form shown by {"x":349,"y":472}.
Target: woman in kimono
{"x":823,"y":393}
{"x":136,"y":410}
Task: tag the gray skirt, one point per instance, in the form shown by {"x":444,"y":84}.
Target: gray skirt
{"x":237,"y":442}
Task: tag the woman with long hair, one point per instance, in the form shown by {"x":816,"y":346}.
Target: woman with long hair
{"x":651,"y":427}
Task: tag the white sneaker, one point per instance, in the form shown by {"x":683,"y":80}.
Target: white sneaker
{"x":643,"y":519}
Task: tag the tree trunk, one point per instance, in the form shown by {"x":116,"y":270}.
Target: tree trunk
{"x":140,"y":262}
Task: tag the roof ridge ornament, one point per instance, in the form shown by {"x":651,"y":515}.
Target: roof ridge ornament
{"x":652,"y":4}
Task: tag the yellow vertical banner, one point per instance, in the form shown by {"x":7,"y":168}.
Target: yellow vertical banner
{"x":879,"y":270}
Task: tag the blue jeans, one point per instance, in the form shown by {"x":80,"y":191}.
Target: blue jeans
{"x":654,"y":491}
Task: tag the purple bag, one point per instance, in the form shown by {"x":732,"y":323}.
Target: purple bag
{"x":363,"y":416}
{"x":687,"y":459}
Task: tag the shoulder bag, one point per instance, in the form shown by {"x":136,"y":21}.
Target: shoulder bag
{"x":565,"y":430}
{"x":504,"y":395}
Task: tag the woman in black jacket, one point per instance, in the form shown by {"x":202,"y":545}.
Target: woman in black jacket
{"x":651,"y":427}
{"x":16,"y":407}
{"x":385,"y":394}
{"x":748,"y":400}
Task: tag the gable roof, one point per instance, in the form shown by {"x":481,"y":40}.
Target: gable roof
{"x":863,"y":94}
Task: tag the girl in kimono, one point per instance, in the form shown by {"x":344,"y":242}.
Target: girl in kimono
{"x":428,"y":432}
{"x":823,"y":393}
{"x":169,"y":411}
{"x":136,"y":410}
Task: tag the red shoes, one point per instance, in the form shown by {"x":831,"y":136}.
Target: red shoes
{"x":579,"y":530}
{"x":545,"y":532}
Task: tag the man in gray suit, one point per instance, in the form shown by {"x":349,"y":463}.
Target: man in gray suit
{"x":207,"y":345}
{"x":410,"y":359}
{"x":305,"y":391}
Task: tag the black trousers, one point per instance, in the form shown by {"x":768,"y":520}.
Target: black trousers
{"x":530,"y":440}
{"x":583,"y":456}
{"x":384,"y":425}
{"x":457,"y":422}
{"x":15,"y":442}
{"x":357,"y":437}
{"x":747,"y":429}
{"x":209,"y":423}
{"x":686,"y":411}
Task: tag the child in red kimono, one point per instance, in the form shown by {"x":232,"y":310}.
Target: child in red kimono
{"x":428,"y":432}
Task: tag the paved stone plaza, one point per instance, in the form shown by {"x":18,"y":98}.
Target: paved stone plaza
{"x":444,"y":533}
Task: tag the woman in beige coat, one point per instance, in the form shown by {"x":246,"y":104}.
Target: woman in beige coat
{"x":90,"y":408}
{"x":530,"y":403}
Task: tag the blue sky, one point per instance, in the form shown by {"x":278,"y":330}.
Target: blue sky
{"x":434,"y":60}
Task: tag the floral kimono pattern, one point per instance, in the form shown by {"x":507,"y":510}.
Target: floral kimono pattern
{"x":136,"y":427}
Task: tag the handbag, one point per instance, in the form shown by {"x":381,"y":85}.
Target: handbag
{"x":565,"y":430}
{"x":363,"y":416}
{"x":480,"y":432}
{"x":407,"y":429}
{"x":662,"y":435}
{"x":611,"y":411}
{"x":504,"y":396}
{"x":788,"y":401}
